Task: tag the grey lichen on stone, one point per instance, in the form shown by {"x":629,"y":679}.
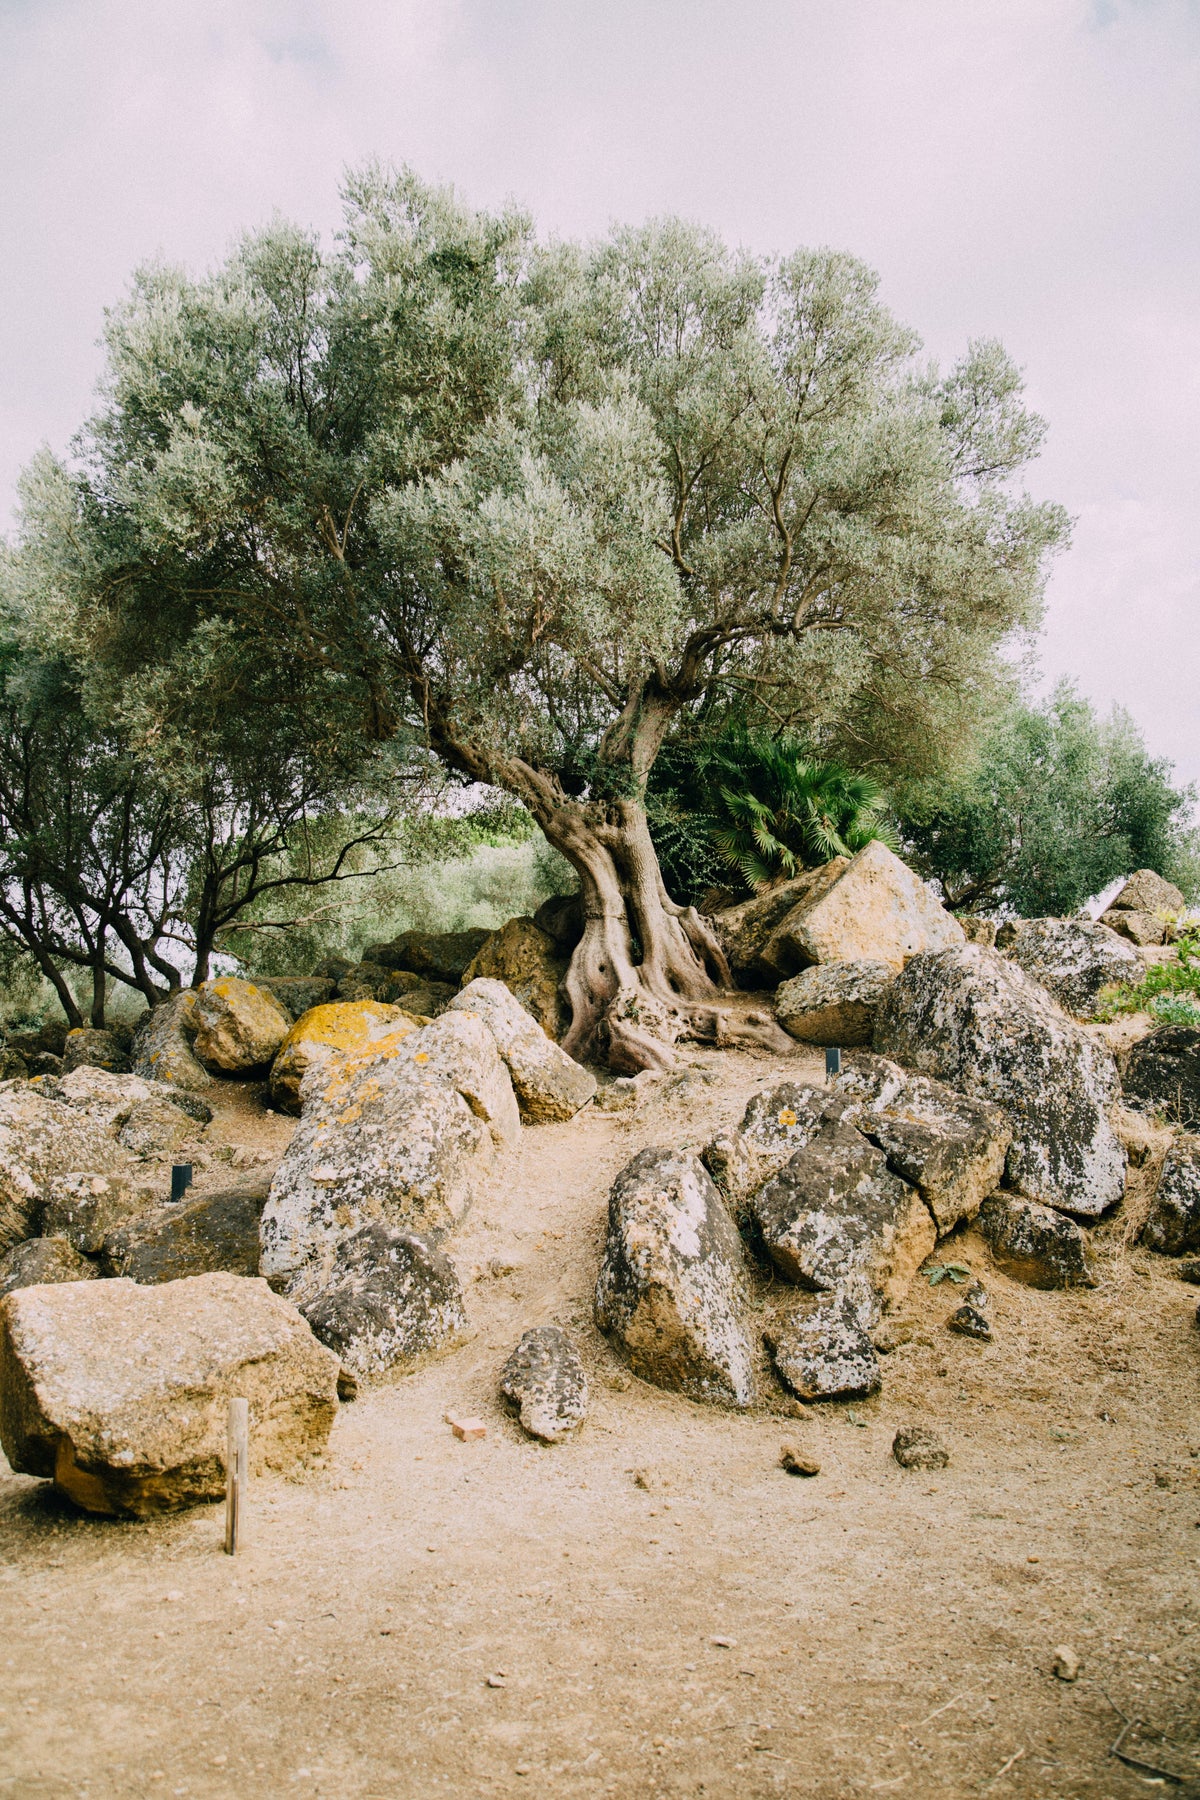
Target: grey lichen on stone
{"x":544,"y":1380}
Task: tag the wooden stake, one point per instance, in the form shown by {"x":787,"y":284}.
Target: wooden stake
{"x":237,"y":1469}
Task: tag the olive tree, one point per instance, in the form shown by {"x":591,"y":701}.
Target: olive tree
{"x":527,"y":506}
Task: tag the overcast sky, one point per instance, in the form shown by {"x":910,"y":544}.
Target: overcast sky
{"x":1028,"y":169}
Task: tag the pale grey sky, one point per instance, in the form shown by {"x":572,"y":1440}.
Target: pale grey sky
{"x":1028,"y":169}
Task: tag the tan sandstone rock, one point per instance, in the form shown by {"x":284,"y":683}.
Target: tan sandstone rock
{"x":40,"y":1260}
{"x":41,"y":1138}
{"x":875,"y":910}
{"x":239,"y":1027}
{"x":834,"y":1003}
{"x":527,"y":961}
{"x":549,"y":1084}
{"x":1149,"y":893}
{"x":118,"y":1393}
{"x":747,"y":928}
{"x":326,"y":1032}
{"x":162,"y":1044}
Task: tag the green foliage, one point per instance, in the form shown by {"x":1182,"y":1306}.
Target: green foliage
{"x":1169,"y":990}
{"x":748,"y":807}
{"x":1060,"y":804}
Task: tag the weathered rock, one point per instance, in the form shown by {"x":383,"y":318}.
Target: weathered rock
{"x":391,"y":1301}
{"x":977,"y":930}
{"x":297,"y":994}
{"x":561,"y":918}
{"x":973,"y":1019}
{"x":438,"y":955}
{"x":460,"y":1050}
{"x":239,"y":1027}
{"x":384,"y":1134}
{"x":777,"y":1122}
{"x":836,"y":1211}
{"x":162,"y":1044}
{"x":41,"y":1138}
{"x":13,"y":1066}
{"x":109,"y":1099}
{"x":827,"y":1354}
{"x":1074,"y":959}
{"x":875,"y":909}
{"x":1138,"y":927}
{"x":833,"y":1003}
{"x":794,"y":1461}
{"x":218,"y":1230}
{"x":669,"y":1285}
{"x":916,"y":1447}
{"x":332,"y":968}
{"x":1147,"y":892}
{"x":548,"y":1083}
{"x":85,"y":1208}
{"x":1174,"y":1223}
{"x":1035,"y":1244}
{"x":1189,"y":1271}
{"x":327,"y":1032}
{"x":745,"y":929}
{"x":88,"y":1048}
{"x":545,"y":1381}
{"x":526,"y":960}
{"x":427,"y":1000}
{"x":119,"y":1393}
{"x":950,"y":1148}
{"x":156,"y":1127}
{"x":970,"y":1321}
{"x":365,"y":981}
{"x":43,"y":1259}
{"x":1162,"y":1074}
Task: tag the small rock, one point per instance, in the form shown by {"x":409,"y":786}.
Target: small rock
{"x":347,"y":1385}
{"x":968,"y":1321}
{"x":891,"y":1334}
{"x":1035,"y":1244}
{"x":796,"y":1462}
{"x":827,"y":1354}
{"x":1066,"y":1663}
{"x":544,"y":1379}
{"x":43,"y":1259}
{"x":468,"y":1430}
{"x":916,"y":1447}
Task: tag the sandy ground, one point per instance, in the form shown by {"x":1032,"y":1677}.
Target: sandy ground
{"x":655,"y":1608}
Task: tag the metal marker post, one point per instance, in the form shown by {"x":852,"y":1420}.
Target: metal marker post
{"x":237,"y":1469}
{"x":833,"y":1062}
{"x":181,"y":1179}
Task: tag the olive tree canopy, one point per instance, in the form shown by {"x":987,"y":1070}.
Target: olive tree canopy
{"x":530,"y":505}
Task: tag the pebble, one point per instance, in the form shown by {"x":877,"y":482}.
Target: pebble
{"x":1066,"y":1663}
{"x":916,"y":1447}
{"x":796,"y":1462}
{"x":968,"y":1321}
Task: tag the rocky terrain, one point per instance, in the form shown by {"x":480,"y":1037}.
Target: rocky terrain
{"x":751,"y":1427}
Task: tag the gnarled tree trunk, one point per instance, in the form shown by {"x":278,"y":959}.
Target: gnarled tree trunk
{"x":647,"y":971}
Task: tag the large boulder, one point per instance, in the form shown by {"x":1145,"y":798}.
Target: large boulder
{"x":119,"y":1393}
{"x":1074,"y":959}
{"x":835,"y":1212}
{"x":391,"y":1300}
{"x":438,"y":955}
{"x":239,"y":1027}
{"x":156,"y":1128}
{"x":1035,"y":1244}
{"x":43,"y":1259}
{"x":1173,"y":1227}
{"x":1162,"y":1074}
{"x":549,"y":1084}
{"x":746,"y":929}
{"x":544,"y":1382}
{"x":217,"y":1230}
{"x":85,"y":1208}
{"x":397,"y":1131}
{"x":669,"y":1288}
{"x":561,"y":918}
{"x":162,"y":1044}
{"x":41,"y":1138}
{"x":778,"y":1121}
{"x":875,"y":909}
{"x":86,"y":1047}
{"x":827,"y":1354}
{"x":297,"y":994}
{"x":973,"y":1019}
{"x":1149,"y":893}
{"x":326,"y":1032}
{"x":833,"y":1003}
{"x":110,"y":1099}
{"x":951,"y":1148}
{"x":526,"y":960}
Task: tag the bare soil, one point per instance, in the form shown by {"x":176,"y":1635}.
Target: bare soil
{"x":655,"y":1608}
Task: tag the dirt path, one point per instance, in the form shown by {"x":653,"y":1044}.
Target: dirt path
{"x":883,"y":1632}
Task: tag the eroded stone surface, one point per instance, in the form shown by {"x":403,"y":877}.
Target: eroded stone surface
{"x":218,"y":1230}
{"x":84,"y":1208}
{"x":392,"y":1300}
{"x":669,"y":1288}
{"x":1142,"y":928}
{"x":778,"y":1121}
{"x":527,"y":961}
{"x":156,"y":1128}
{"x":109,"y":1099}
{"x":874,"y":909}
{"x":548,"y":1083}
{"x":119,"y":1393}
{"x":1147,"y":892}
{"x":827,"y":1353}
{"x":239,"y":1027}
{"x":162,"y":1044}
{"x":41,"y":1138}
{"x":746,"y":929}
{"x":43,"y":1259}
{"x":976,"y":1021}
{"x":1173,"y":1227}
{"x":834,"y":1003}
{"x":297,"y":994}
{"x":1035,"y":1244}
{"x":916,"y":1447}
{"x":86,"y":1047}
{"x":545,"y":1381}
{"x":1162,"y":1074}
{"x":326,"y":1032}
{"x":1074,"y":959}
{"x":438,"y":955}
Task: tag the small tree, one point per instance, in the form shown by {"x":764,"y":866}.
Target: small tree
{"x":532,"y":505}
